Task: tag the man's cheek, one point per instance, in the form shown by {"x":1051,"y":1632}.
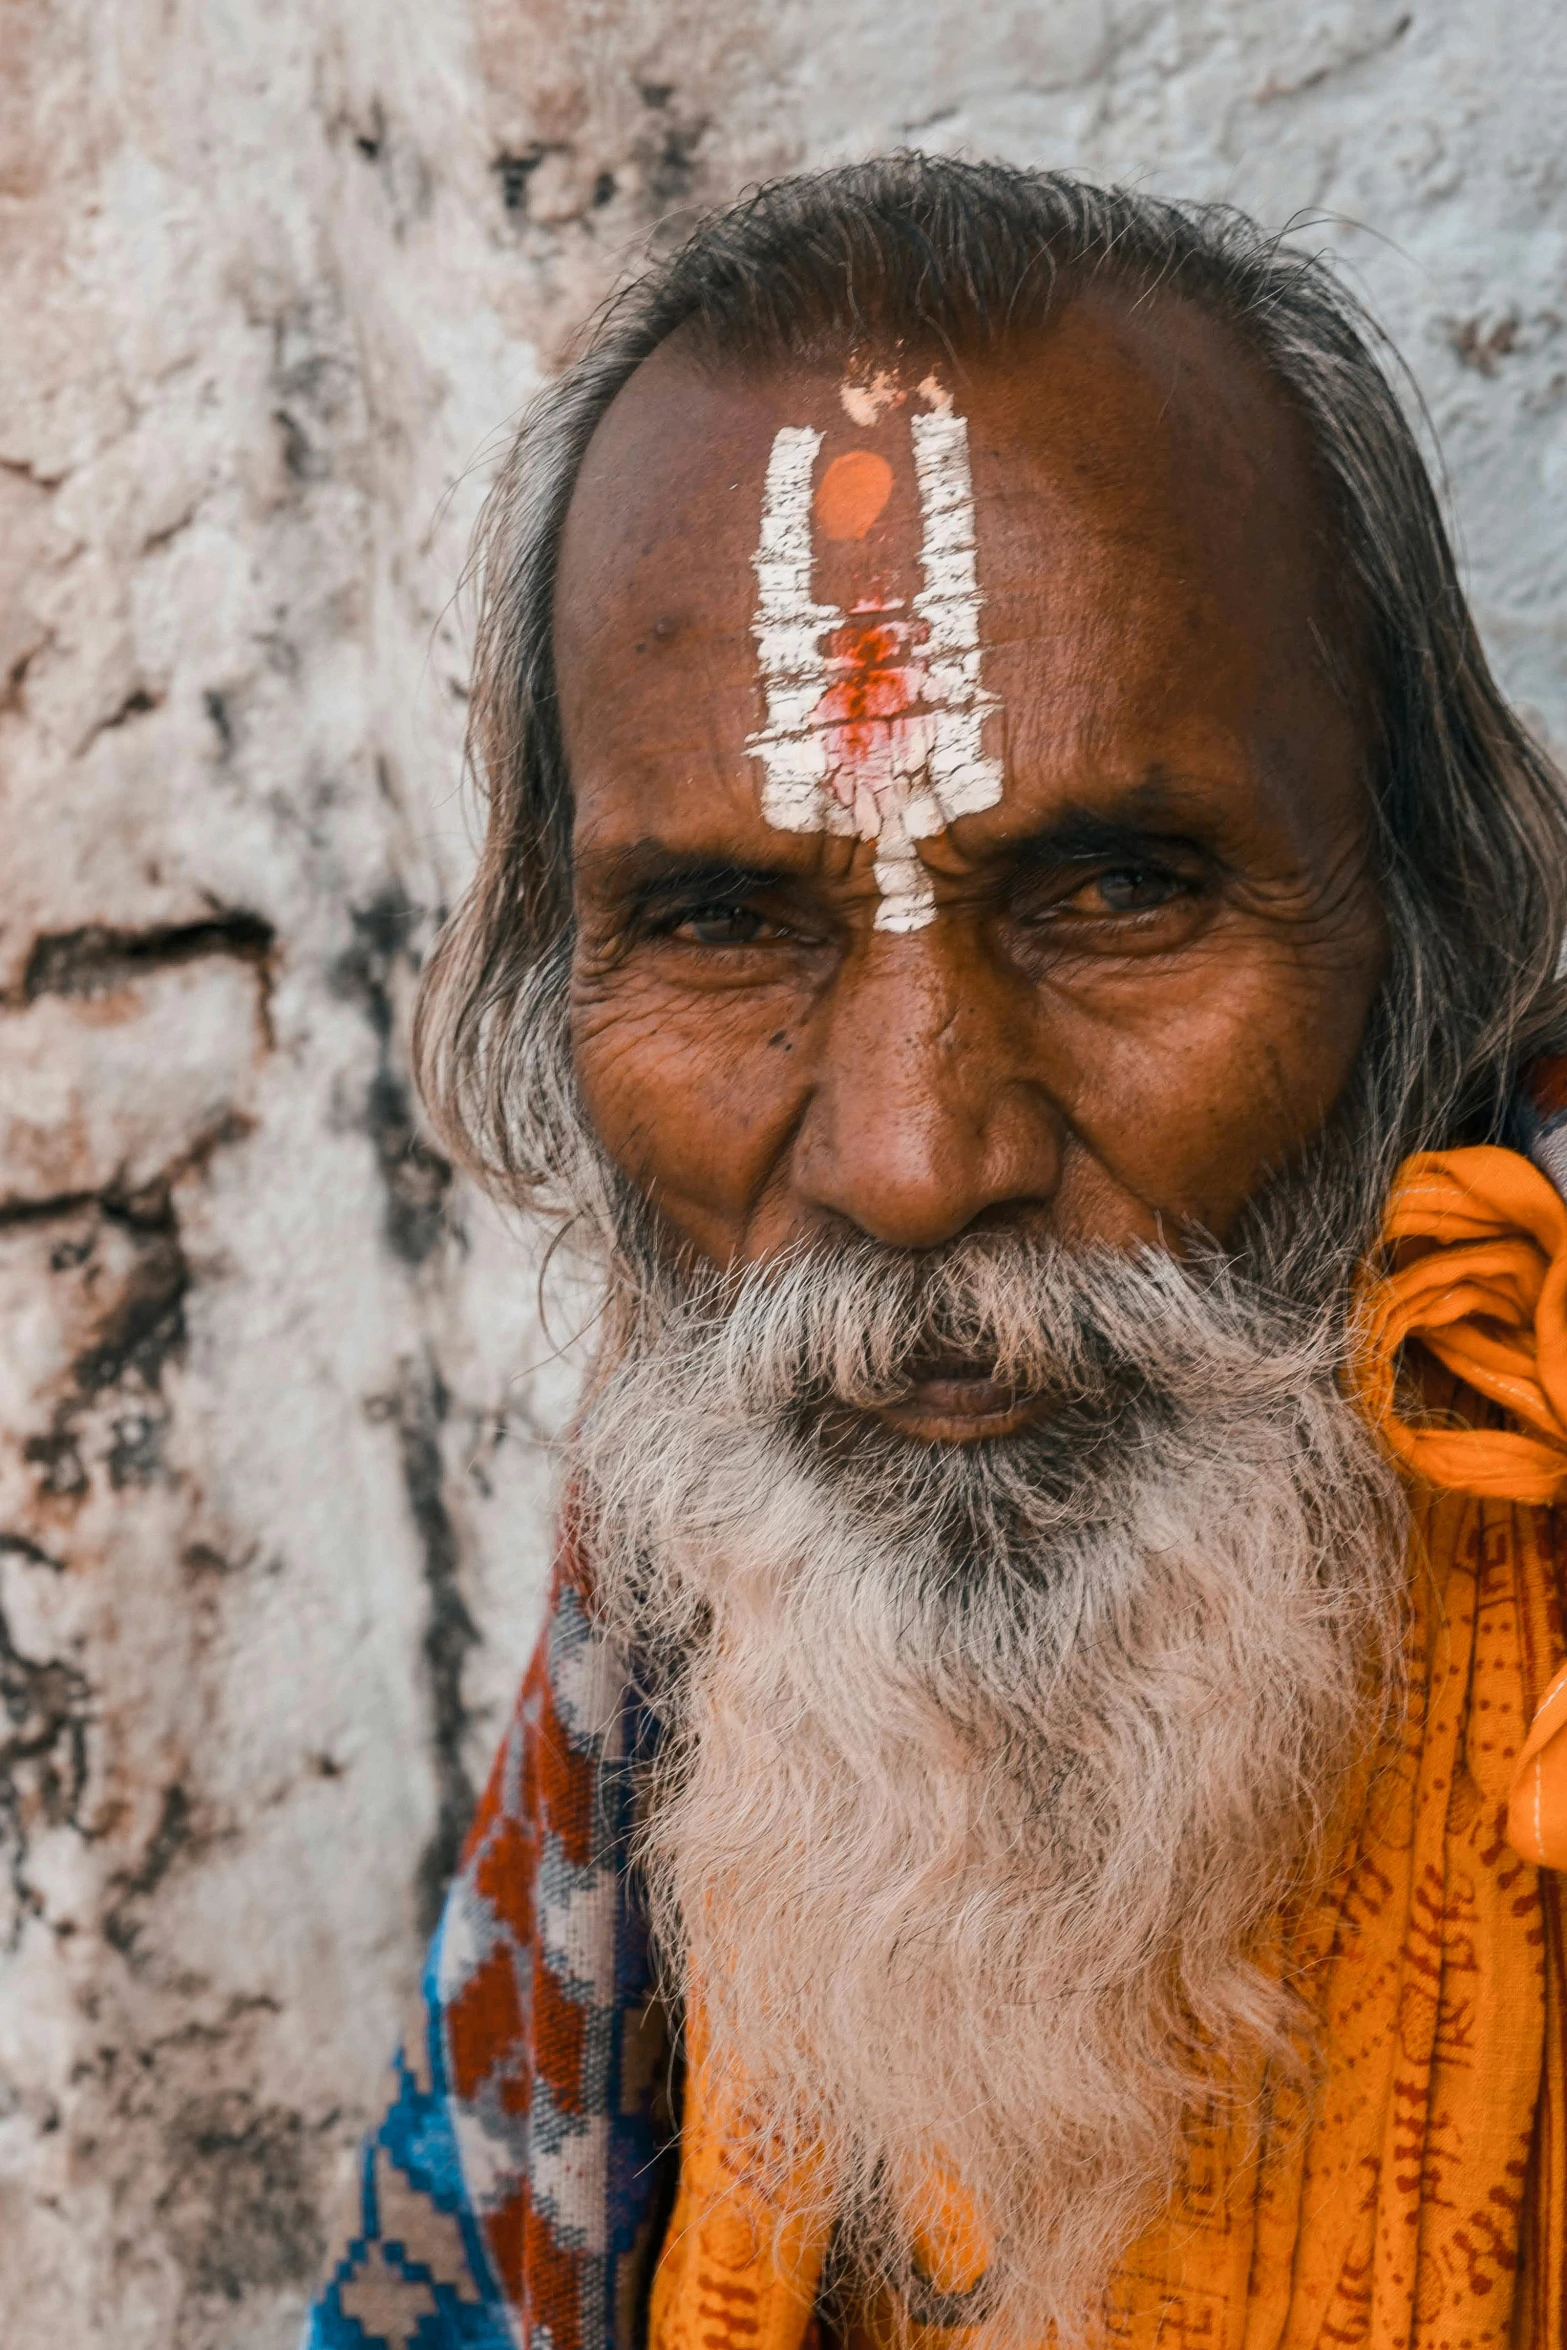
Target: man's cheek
{"x":695,"y":1105}
{"x":1185,"y":1098}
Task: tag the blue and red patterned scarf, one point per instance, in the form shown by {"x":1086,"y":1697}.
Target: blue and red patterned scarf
{"x":517,"y":2185}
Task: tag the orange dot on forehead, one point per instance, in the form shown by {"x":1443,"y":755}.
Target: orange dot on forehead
{"x":853,"y":491}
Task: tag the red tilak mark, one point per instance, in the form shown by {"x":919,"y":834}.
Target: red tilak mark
{"x":873,"y":680}
{"x":878,"y":732}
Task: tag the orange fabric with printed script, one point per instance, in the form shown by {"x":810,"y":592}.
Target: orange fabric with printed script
{"x":1424,"y":2207}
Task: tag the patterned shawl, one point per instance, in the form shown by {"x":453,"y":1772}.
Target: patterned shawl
{"x":516,"y":2190}
{"x":512,"y":2193}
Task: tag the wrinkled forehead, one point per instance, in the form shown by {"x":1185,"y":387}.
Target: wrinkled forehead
{"x":1147,"y":434}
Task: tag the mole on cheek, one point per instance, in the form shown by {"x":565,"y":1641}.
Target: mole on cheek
{"x":853,"y":491}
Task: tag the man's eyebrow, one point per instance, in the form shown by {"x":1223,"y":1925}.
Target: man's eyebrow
{"x":1148,"y":822}
{"x":1153,"y":814}
{"x":649,"y":871}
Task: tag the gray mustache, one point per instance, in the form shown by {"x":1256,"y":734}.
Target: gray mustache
{"x":859,"y":1323}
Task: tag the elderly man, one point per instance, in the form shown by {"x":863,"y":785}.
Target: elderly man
{"x":1013,"y":920}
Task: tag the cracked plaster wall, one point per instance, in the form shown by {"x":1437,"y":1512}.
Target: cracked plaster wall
{"x":274,"y":1398}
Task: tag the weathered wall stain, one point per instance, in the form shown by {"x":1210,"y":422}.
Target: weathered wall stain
{"x":96,"y":961}
{"x":43,"y":1752}
{"x":242,"y":2203}
{"x":275,"y":1398}
{"x":450,"y":1633}
{"x":416,"y":1177}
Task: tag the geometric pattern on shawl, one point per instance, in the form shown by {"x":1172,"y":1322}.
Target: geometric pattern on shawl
{"x":513,"y":2191}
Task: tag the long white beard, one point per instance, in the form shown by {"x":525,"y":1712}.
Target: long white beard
{"x":983,"y":1769}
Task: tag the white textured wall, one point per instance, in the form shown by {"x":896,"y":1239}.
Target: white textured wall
{"x":272,"y":1491}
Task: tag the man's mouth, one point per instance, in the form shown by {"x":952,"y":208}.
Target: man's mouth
{"x":957,"y":1402}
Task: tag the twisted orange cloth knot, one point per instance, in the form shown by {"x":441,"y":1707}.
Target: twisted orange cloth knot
{"x":1478,"y":1277}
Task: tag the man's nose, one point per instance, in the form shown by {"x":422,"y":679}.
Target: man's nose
{"x":925,"y":1116}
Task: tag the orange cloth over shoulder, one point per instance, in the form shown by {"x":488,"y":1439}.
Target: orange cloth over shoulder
{"x":1482,"y":1284}
{"x":1479,"y":1241}
{"x":1421,"y":2204}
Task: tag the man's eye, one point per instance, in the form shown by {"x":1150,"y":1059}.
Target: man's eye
{"x":1125,"y":889}
{"x":719,"y":925}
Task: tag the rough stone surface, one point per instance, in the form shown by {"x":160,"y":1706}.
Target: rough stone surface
{"x":274,"y":1395}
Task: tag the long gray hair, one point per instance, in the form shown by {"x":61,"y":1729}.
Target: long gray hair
{"x":1471,"y":818}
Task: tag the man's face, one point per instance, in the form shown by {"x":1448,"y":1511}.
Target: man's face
{"x":1122,"y":988}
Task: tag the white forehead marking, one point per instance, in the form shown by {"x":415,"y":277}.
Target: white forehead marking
{"x":902,"y":772}
{"x":787,"y":629}
{"x":863,"y":403}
